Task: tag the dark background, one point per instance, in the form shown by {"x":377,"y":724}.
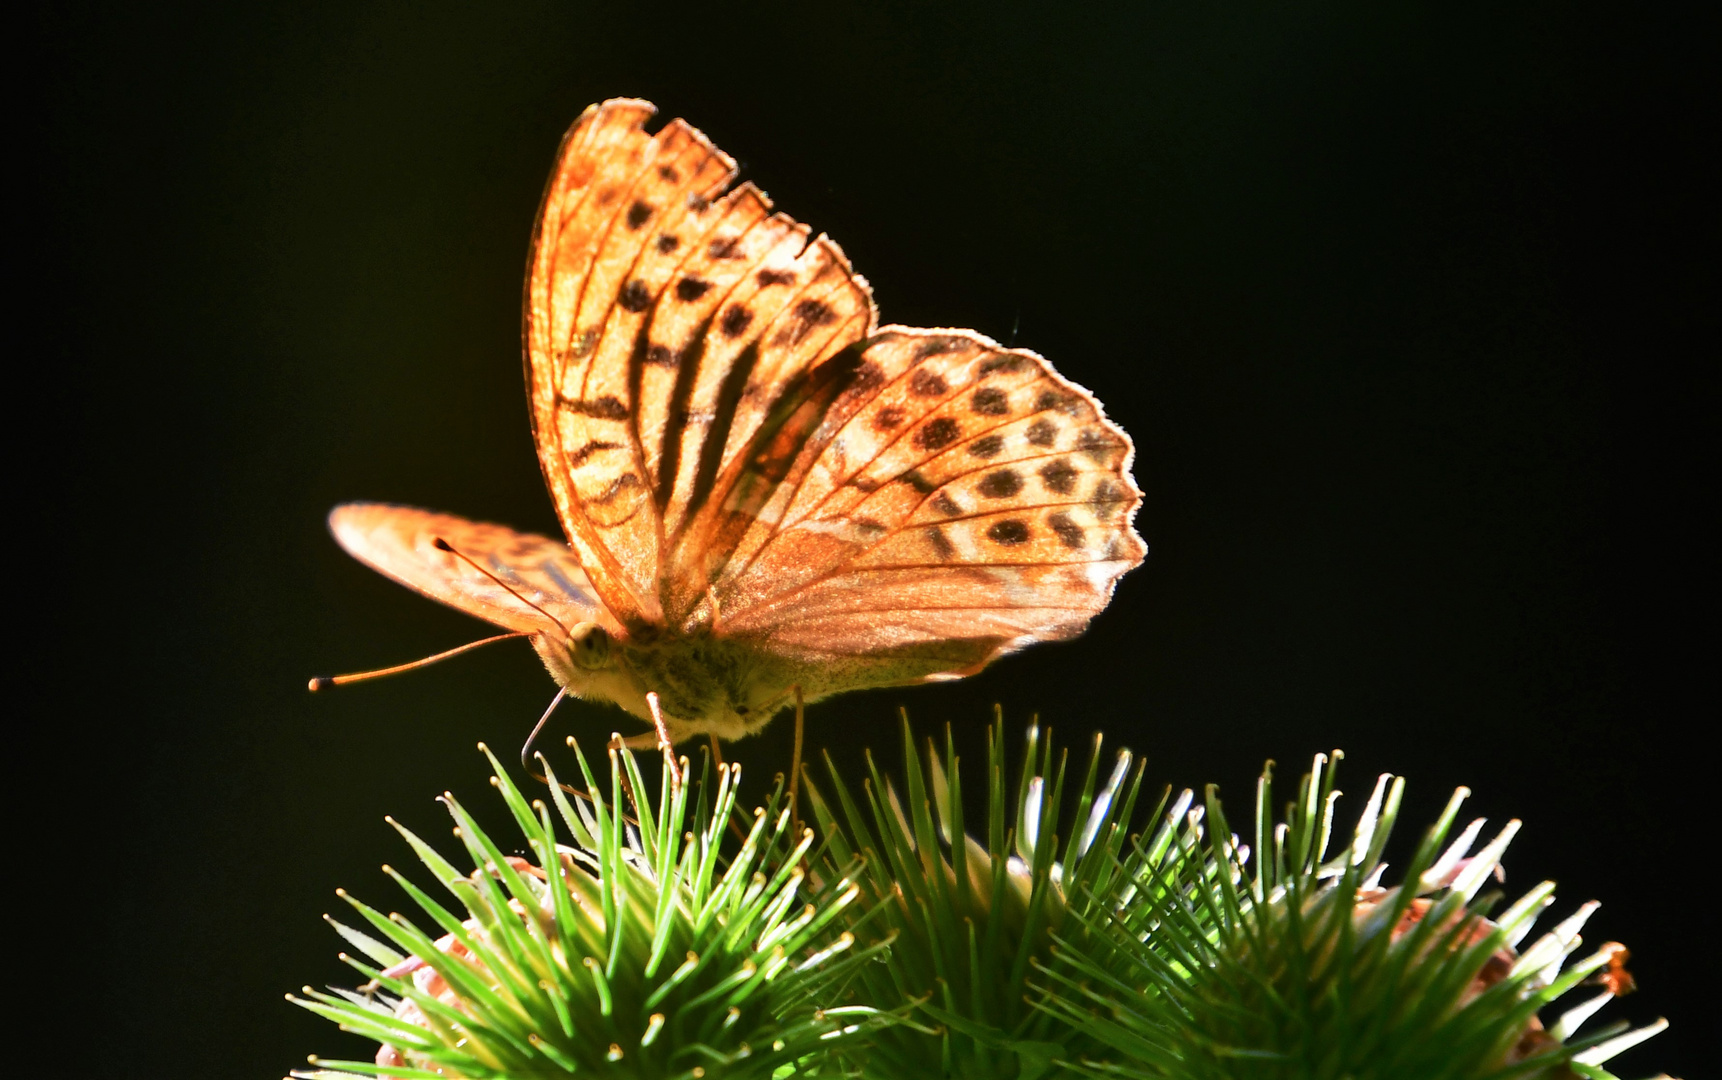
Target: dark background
{"x":1403,"y":304}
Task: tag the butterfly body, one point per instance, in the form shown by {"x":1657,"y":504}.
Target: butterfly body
{"x":762,"y":490}
{"x":706,"y":684}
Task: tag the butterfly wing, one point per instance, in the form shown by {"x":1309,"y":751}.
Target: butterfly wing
{"x":400,"y":542}
{"x":730,"y":445}
{"x":959,"y":501}
{"x":665,"y":323}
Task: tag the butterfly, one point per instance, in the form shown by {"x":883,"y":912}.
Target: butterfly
{"x":766,"y":495}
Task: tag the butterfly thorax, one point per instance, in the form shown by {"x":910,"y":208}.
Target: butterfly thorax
{"x":706,"y":683}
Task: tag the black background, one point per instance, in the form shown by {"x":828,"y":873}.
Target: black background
{"x":1403,"y":304}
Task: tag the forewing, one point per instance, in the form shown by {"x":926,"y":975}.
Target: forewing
{"x":400,"y":541}
{"x":664,"y":325}
{"x":619,"y":210}
{"x":956,"y":491}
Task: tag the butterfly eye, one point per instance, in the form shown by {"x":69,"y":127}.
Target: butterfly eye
{"x":590,"y":646}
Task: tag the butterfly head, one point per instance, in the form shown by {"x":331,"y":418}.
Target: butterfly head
{"x":588,"y":660}
{"x":589,"y":647}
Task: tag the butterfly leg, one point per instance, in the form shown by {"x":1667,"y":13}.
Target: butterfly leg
{"x":795,"y":757}
{"x":645,"y":740}
{"x":717,"y":754}
{"x":658,"y":738}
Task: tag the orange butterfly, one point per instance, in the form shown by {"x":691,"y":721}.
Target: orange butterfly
{"x":765,"y":495}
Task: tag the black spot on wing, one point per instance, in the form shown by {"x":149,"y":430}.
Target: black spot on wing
{"x":1005,"y":363}
{"x":865,"y":377}
{"x":938,"y":434}
{"x":668,"y":243}
{"x":1059,"y":476}
{"x":1069,"y":532}
{"x":936,"y":346}
{"x":578,"y":457}
{"x":661,"y":355}
{"x":607,"y":407}
{"x":1106,"y":501}
{"x":926,"y":383}
{"x":1042,"y":433}
{"x":946,"y":505}
{"x":1050,"y":400}
{"x":582,"y":344}
{"x":667,"y":173}
{"x":1008,"y":533}
{"x":920,"y":483}
{"x":616,"y":487}
{"x":734,"y":321}
{"x":725,"y":247}
{"x":776,"y":277}
{"x":807,"y":315}
{"x":1001,"y":484}
{"x":888,"y":418}
{"x":987,"y":446}
{"x":942,"y":548}
{"x":1105,"y":493}
{"x":990,"y":401}
{"x":634,"y":296}
{"x":1095,"y":444}
{"x":691,"y":288}
{"x":816,"y":312}
{"x":638,"y":215}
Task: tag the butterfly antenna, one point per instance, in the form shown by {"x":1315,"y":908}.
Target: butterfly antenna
{"x":325,"y":682}
{"x":443,"y":545}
